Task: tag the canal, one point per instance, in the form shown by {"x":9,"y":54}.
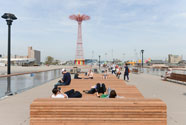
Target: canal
{"x":24,"y":82}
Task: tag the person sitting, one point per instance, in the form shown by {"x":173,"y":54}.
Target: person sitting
{"x":76,"y":76}
{"x":90,"y":74}
{"x":98,"y":88}
{"x":167,"y":74}
{"x":105,"y":75}
{"x":58,"y":93}
{"x":65,"y":80}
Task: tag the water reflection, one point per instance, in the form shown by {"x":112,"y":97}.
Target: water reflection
{"x":161,"y":71}
{"x":16,"y":84}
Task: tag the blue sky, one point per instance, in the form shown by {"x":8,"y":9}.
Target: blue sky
{"x":117,"y":28}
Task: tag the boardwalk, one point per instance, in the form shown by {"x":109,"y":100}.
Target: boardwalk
{"x":17,"y":107}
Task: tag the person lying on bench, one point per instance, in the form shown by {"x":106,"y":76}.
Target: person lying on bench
{"x":65,"y":80}
{"x":112,"y":94}
{"x":58,"y":93}
{"x":98,"y":88}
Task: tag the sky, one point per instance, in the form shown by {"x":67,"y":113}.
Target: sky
{"x":117,"y":28}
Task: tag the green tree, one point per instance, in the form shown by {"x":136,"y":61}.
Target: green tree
{"x":49,"y":60}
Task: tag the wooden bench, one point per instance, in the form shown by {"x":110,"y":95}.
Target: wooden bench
{"x":98,"y":111}
{"x":133,"y":109}
{"x":135,"y":71}
{"x":177,"y":77}
{"x":98,"y":77}
{"x":126,"y":91}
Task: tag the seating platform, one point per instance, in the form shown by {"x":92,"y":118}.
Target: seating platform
{"x":131,"y":109}
{"x":177,"y":77}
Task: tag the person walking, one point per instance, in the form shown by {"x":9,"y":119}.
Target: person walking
{"x":126,"y":72}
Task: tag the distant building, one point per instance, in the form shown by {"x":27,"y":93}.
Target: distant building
{"x":174,"y":58}
{"x":157,"y":62}
{"x":33,"y":58}
{"x":34,"y":54}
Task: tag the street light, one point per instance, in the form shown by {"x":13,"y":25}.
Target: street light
{"x":99,"y":62}
{"x":142,"y":57}
{"x":9,"y":19}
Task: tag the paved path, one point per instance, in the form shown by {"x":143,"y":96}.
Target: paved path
{"x":174,"y":95}
{"x":15,"y":110}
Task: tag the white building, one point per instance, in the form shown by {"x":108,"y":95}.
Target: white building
{"x":33,"y":58}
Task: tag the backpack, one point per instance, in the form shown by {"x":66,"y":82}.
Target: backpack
{"x":128,"y":70}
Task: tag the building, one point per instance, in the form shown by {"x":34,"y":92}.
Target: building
{"x":34,"y":54}
{"x":33,"y":58}
{"x":174,"y":58}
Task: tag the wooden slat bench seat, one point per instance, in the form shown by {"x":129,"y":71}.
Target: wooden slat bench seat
{"x":177,"y":77}
{"x":134,"y":70}
{"x":98,"y":111}
{"x":132,"y":109}
{"x":127,"y":91}
{"x":99,"y":76}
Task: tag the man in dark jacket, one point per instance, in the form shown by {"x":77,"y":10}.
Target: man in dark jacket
{"x":65,"y":80}
{"x":126,"y":73}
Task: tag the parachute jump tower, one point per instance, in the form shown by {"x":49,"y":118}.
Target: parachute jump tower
{"x":79,"y":46}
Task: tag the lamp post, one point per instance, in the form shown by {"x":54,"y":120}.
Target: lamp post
{"x":142,"y":51}
{"x":9,"y":19}
{"x":99,"y":62}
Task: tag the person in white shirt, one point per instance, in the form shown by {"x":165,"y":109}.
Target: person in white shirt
{"x":57,"y":93}
{"x":90,"y":74}
{"x":167,"y":74}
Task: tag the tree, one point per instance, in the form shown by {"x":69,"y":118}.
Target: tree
{"x":49,"y":60}
{"x":56,"y":62}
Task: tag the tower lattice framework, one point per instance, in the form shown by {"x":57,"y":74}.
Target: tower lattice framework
{"x":79,"y":59}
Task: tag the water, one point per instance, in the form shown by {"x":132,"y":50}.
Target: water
{"x":24,"y":82}
{"x":161,"y":71}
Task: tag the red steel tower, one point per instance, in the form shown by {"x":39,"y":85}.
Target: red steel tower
{"x":79,"y":47}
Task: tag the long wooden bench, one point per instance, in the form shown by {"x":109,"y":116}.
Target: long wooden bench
{"x":126,"y":91}
{"x":132,"y":109}
{"x":98,"y":111}
{"x":177,"y":77}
